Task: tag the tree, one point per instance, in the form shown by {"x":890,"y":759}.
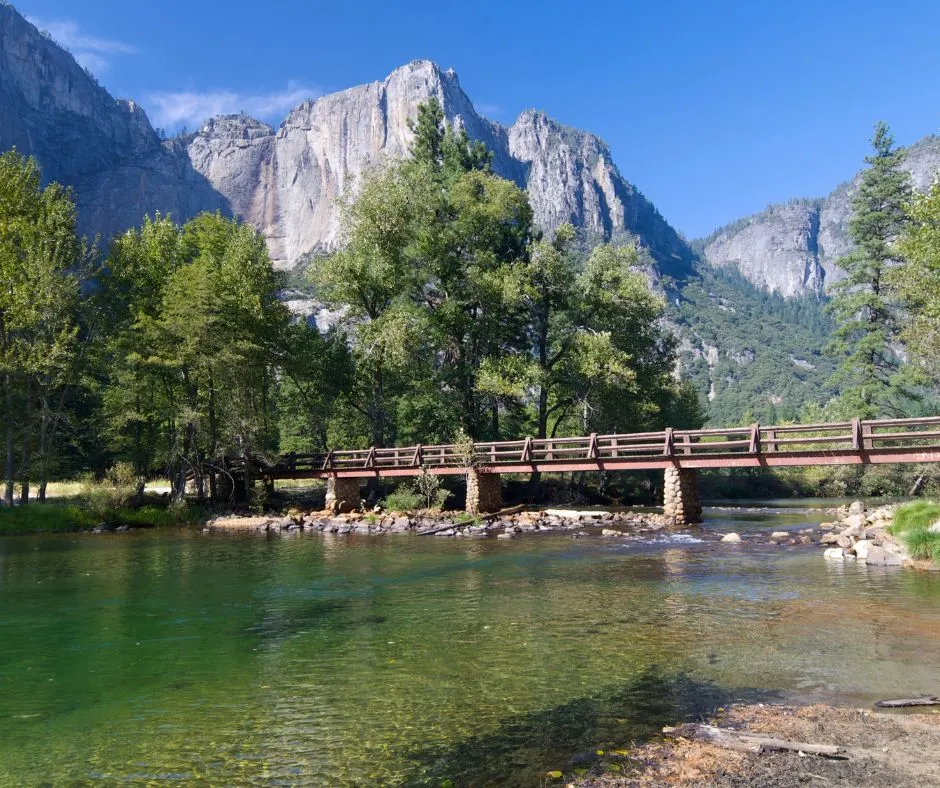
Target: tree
{"x":862,"y":304}
{"x":39,"y":253}
{"x":373,"y":281}
{"x":195,"y":354}
{"x":917,"y":282}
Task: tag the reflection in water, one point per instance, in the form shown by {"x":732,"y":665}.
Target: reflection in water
{"x":401,"y":660}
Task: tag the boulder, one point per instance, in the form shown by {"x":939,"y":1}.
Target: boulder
{"x":857,"y":507}
{"x":505,"y":535}
{"x":779,"y":535}
{"x":731,"y":537}
{"x":856,"y":521}
{"x":834,"y":554}
{"x":611,"y":532}
{"x":862,"y":548}
{"x":878,"y":556}
{"x":829,"y":539}
{"x":844,"y":541}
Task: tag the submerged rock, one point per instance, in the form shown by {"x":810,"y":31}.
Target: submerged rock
{"x":731,"y":537}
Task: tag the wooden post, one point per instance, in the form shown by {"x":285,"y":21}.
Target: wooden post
{"x":856,"y":435}
{"x":669,"y":443}
{"x":527,"y":451}
{"x":592,"y":446}
{"x":754,"y":447}
{"x":867,"y":442}
{"x":771,"y":440}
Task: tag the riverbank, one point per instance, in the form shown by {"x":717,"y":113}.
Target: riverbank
{"x":896,"y":535}
{"x":876,"y":750}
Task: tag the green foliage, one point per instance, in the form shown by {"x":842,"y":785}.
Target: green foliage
{"x":428,"y":487}
{"x":40,"y":259}
{"x":767,"y":364}
{"x":862,"y":305}
{"x":915,"y":516}
{"x":105,"y":500}
{"x":50,"y":517}
{"x":917,"y":283}
{"x":912,"y":522}
{"x":403,"y":499}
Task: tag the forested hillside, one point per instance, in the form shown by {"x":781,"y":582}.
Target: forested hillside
{"x":752,"y":355}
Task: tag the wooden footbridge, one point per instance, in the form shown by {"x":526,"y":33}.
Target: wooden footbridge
{"x":678,"y":452}
{"x":854,"y":442}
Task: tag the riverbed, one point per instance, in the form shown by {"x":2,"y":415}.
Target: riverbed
{"x":178,"y":656}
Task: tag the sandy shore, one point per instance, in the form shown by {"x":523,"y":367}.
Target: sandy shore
{"x":880,"y":750}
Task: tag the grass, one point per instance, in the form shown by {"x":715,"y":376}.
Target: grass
{"x":64,"y":517}
{"x":44,"y":517}
{"x":912,"y":522}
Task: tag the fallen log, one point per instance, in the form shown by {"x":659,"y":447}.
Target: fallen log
{"x":742,"y":741}
{"x":436,"y":529}
{"x":900,"y":703}
{"x":504,"y":512}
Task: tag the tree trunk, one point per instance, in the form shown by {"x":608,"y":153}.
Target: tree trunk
{"x":27,"y":444}
{"x":9,"y":467}
{"x":43,"y":436}
{"x":213,"y":440}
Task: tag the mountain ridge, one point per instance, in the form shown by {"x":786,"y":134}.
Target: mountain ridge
{"x":286,"y":181}
{"x":792,"y":248}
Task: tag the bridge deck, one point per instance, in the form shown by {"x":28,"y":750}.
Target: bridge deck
{"x":853,"y":442}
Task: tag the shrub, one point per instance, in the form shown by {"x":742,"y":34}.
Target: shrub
{"x":104,"y":500}
{"x":404,"y":499}
{"x":915,"y":516}
{"x":912,"y":522}
{"x":923,"y":545}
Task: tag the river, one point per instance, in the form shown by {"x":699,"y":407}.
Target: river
{"x":182,"y":657}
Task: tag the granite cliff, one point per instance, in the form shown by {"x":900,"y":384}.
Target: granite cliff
{"x":286,"y":181}
{"x":792,"y":249}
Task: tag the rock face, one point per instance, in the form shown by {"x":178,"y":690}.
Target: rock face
{"x":104,"y":148}
{"x":792,"y":249}
{"x":286,"y":181}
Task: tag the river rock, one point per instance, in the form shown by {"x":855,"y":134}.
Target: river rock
{"x":878,"y":556}
{"x":856,"y":521}
{"x":731,"y":537}
{"x":857,"y":507}
{"x":844,"y":541}
{"x":780,"y":535}
{"x":611,"y":532}
{"x":862,"y":548}
{"x":834,"y":554}
{"x":506,"y":535}
{"x":829,"y":539}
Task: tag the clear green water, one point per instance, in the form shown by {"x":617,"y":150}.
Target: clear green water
{"x":186,"y":658}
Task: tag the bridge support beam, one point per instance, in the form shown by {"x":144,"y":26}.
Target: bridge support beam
{"x":342,"y":494}
{"x":680,"y":497}
{"x":484,"y":492}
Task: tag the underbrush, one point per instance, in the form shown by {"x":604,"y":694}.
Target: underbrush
{"x":912,"y":523}
{"x":109,"y":502}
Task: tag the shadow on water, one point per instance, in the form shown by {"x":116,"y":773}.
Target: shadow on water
{"x":568,"y":736}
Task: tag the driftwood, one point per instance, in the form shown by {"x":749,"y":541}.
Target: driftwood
{"x":900,"y":703}
{"x":504,"y":512}
{"x":436,"y":530}
{"x":742,"y":741}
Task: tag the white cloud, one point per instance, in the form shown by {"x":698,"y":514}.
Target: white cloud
{"x":190,"y":108}
{"x":91,"y":51}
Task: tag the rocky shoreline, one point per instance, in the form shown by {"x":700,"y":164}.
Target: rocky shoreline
{"x":509,"y":524}
{"x":863,"y":536}
{"x":774,"y":746}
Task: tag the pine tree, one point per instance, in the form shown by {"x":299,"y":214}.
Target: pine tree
{"x":865,"y":314}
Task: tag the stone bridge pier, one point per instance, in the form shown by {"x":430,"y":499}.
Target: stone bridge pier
{"x":342,"y":494}
{"x":681,"y":502}
{"x":484,"y":492}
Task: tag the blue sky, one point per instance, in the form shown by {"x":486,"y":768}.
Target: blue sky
{"x":713,"y":108}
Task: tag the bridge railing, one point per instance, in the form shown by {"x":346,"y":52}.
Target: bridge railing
{"x":755,"y":440}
